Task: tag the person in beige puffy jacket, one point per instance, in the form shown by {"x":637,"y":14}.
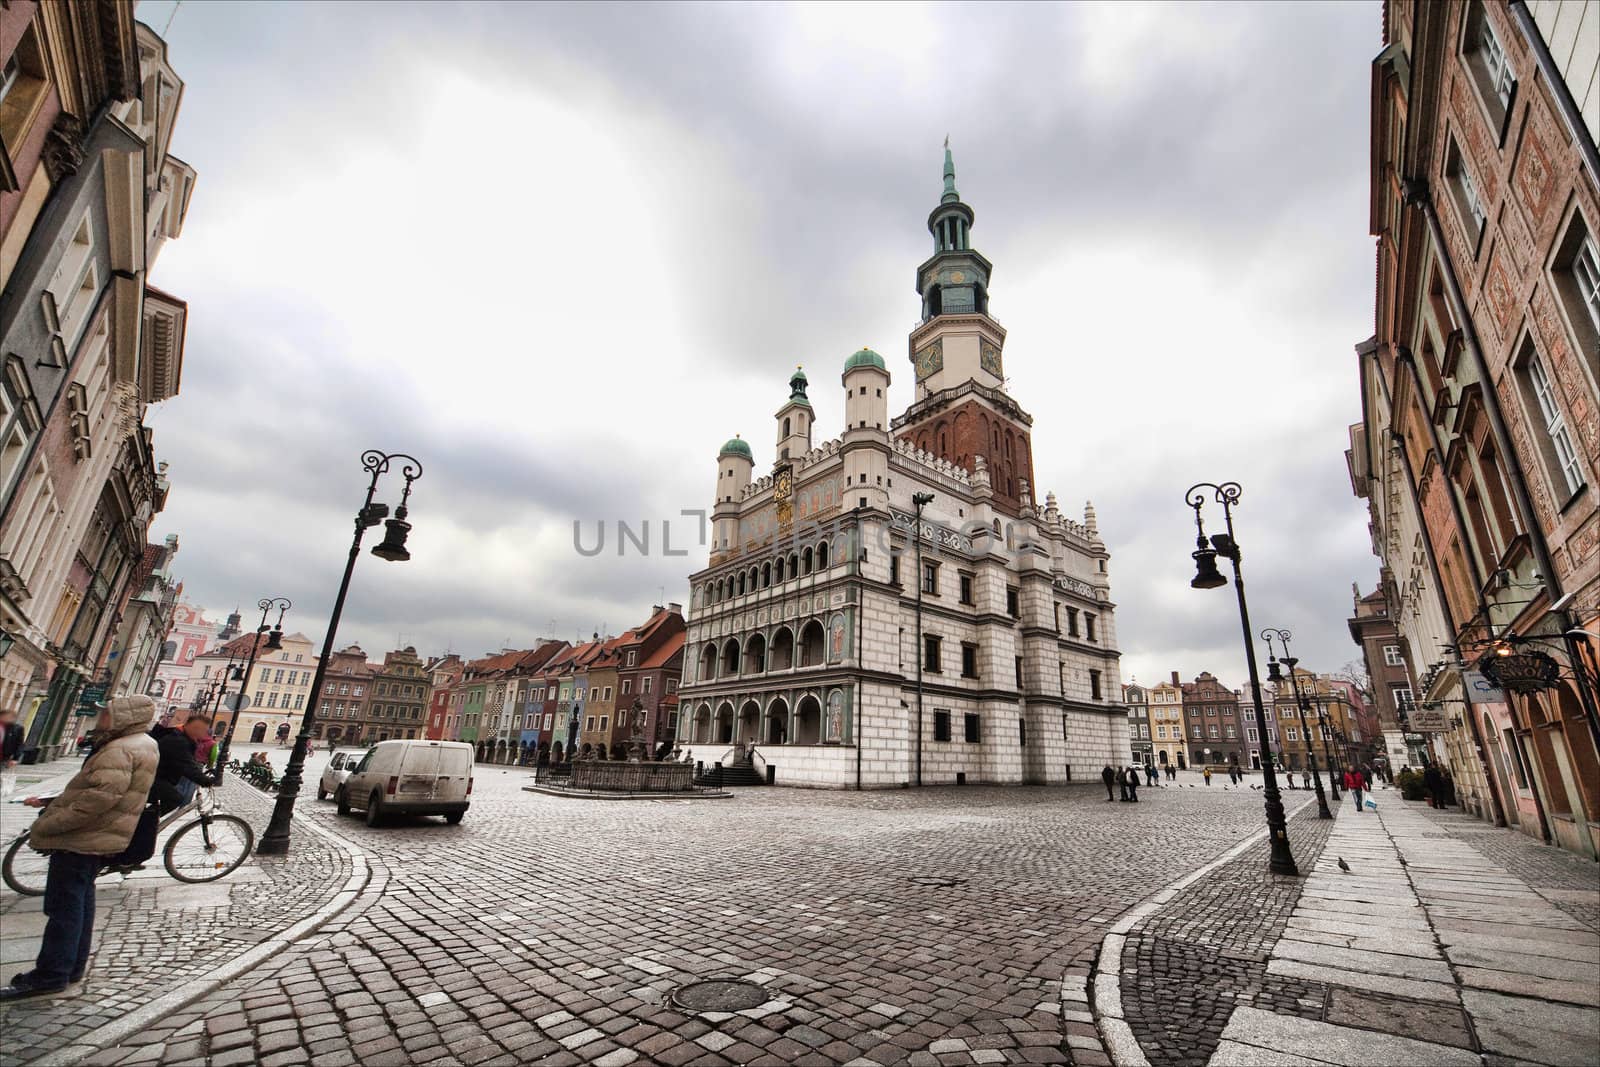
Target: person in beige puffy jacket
{"x":94,"y":817}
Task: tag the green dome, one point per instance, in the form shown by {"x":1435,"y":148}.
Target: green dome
{"x":737,"y":446}
{"x":864,"y":358}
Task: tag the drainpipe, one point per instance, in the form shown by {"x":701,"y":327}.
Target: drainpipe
{"x":1558,"y":87}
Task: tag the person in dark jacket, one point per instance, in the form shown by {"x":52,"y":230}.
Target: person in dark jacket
{"x":1434,"y":782}
{"x":10,"y":738}
{"x":1132,"y":781}
{"x":179,"y":772}
{"x":1109,"y":777}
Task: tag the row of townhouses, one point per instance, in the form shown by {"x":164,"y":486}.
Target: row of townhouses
{"x":1478,"y":452}
{"x":1204,"y":723}
{"x":89,"y":195}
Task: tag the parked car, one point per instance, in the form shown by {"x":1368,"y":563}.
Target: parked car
{"x":340,"y":764}
{"x":410,"y":778}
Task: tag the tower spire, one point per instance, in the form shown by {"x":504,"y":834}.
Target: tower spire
{"x":950,"y":195}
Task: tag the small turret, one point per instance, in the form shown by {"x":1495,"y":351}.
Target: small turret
{"x":735,"y":462}
{"x":795,"y":419}
{"x":1089,"y":524}
{"x":866,"y":391}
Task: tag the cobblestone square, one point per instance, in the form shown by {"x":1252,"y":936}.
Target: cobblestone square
{"x":556,"y":930}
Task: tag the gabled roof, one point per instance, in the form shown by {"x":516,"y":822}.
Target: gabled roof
{"x":663,"y":655}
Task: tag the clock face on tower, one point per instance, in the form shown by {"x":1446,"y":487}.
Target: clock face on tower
{"x":783,"y":484}
{"x":989,"y":358}
{"x":930,"y":359}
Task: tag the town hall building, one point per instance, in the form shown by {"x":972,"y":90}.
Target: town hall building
{"x":806,"y":629}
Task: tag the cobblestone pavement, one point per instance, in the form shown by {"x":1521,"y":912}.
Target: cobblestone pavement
{"x":1190,"y":963}
{"x":1442,"y":944}
{"x":156,"y":934}
{"x":553,"y":930}
{"x":1568,"y":882}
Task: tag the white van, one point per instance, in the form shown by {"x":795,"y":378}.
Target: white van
{"x":340,"y":765}
{"x":410,"y":778}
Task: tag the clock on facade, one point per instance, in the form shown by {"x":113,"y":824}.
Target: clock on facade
{"x":930,"y":359}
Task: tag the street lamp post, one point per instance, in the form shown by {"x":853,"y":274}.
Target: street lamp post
{"x":275,"y":841}
{"x":273,"y":643}
{"x":1335,"y":766}
{"x":1273,"y":675}
{"x":1208,"y":577}
{"x":919,"y":501}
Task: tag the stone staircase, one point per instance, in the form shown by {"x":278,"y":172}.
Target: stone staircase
{"x":740,"y":771}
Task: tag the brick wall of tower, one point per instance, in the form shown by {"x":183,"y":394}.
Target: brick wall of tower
{"x":970,"y":429}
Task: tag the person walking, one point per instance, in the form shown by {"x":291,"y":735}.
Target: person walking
{"x":1122,"y":783}
{"x":1355,"y":784}
{"x":1434,"y":782}
{"x":1206,"y":774}
{"x":94,"y":817}
{"x":179,"y":773}
{"x":1150,"y":774}
{"x":1133,"y":785}
{"x":1109,"y":777}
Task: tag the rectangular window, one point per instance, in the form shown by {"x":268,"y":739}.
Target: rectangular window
{"x":644,"y":686}
{"x":894,"y":569}
{"x":627,"y":686}
{"x":605,"y":721}
{"x":1194,"y":713}
{"x":970,"y":725}
{"x":1088,"y":627}
{"x":1161,"y":732}
{"x":1560,"y":453}
{"x":1019,"y":671}
{"x":1194,"y":731}
{"x":1402,"y":696}
{"x":1231,"y":732}
{"x":941,"y":725}
{"x":1391,"y":656}
{"x":1468,"y":200}
{"x":1072,"y":622}
{"x":1290,"y":733}
{"x":930,"y":579}
{"x":1251,"y":735}
{"x":966,"y":589}
{"x":1013,"y":608}
{"x":1022,"y":732}
{"x":1496,"y":68}
{"x":969,"y":661}
{"x":1586,"y":279}
{"x":1058,"y":618}
{"x":930,"y":653}
{"x":1211,"y":731}
{"x":1094,"y":685}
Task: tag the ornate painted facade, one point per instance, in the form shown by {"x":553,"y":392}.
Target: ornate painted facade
{"x":802,"y":649}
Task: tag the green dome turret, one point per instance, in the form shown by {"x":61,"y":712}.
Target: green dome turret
{"x":736,"y":446}
{"x":797,"y":387}
{"x":866,"y":357}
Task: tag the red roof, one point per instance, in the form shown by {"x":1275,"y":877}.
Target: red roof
{"x":669,"y":648}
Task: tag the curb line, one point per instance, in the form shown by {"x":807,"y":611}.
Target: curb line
{"x":111,"y":1033}
{"x":1106,"y":982}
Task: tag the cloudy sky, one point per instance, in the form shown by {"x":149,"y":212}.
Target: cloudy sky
{"x":561,"y":253}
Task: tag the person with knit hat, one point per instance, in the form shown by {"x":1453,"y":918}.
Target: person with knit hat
{"x":94,"y":817}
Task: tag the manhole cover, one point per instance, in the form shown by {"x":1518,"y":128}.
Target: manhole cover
{"x":719,"y":994}
{"x":939,"y":881}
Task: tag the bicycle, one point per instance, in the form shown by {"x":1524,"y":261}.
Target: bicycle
{"x":211,"y":847}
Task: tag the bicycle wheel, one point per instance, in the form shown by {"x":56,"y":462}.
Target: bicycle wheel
{"x":24,"y":869}
{"x":208,"y":849}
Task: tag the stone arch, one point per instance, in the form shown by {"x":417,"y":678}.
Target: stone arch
{"x":724,"y":724}
{"x":777,"y":731}
{"x":755,"y":653}
{"x":749,"y":731}
{"x":794,"y":564}
{"x":808,"y":721}
{"x":730,"y":657}
{"x":786,"y":426}
{"x":805,"y":560}
{"x":812,"y":642}
{"x":701,"y":730}
{"x":777,"y":570}
{"x":741,"y":583}
{"x":755,"y":577}
{"x":782,"y":656}
{"x":708,"y":663}
{"x":766,"y":575}
{"x":823,"y":554}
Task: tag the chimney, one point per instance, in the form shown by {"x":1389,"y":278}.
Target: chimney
{"x":1175,"y":678}
{"x":675,"y":608}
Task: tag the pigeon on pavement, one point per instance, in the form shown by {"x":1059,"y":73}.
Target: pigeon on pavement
{"x":1343,"y":866}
